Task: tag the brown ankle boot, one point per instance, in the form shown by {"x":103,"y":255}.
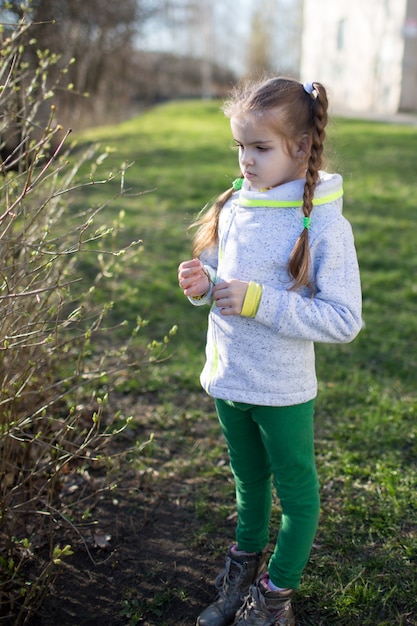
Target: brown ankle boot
{"x":232,"y":584}
{"x":264,"y":607}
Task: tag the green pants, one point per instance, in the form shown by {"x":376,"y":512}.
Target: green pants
{"x":274,"y":445}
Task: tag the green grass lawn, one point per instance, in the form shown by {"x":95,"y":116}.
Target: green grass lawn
{"x":363,"y":566}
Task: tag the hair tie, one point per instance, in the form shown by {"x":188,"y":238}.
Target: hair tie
{"x":237,"y":184}
{"x":307,"y":222}
{"x":311,"y":90}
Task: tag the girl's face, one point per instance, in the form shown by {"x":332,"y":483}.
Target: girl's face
{"x":265,"y":159}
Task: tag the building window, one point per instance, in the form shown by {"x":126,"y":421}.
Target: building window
{"x":341,"y":25}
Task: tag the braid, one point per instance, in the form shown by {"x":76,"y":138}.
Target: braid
{"x":299,"y":263}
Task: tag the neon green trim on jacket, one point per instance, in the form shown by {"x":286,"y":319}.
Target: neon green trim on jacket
{"x":252,"y":300}
{"x":213,"y":368}
{"x":288,"y":204}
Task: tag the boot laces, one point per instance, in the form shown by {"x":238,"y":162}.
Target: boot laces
{"x":254,"y":610}
{"x":228,"y":580}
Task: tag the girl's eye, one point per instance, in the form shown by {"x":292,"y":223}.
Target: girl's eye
{"x":262,"y":148}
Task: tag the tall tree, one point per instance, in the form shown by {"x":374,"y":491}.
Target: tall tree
{"x":260,"y":50}
{"x":99,"y":35}
{"x":201,"y":30}
{"x":274,"y":43}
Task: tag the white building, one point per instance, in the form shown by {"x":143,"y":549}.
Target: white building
{"x":364,"y":51}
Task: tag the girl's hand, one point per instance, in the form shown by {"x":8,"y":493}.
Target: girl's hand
{"x":229,"y":296}
{"x":193,"y":278}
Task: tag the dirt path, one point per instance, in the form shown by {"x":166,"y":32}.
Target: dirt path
{"x":138,"y":562}
{"x":148,"y":564}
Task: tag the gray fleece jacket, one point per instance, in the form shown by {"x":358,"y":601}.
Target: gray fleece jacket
{"x":269,"y":359}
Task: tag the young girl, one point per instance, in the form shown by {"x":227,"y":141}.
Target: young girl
{"x":276,"y":260}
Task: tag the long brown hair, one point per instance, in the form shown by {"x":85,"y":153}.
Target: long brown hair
{"x":296,"y":111}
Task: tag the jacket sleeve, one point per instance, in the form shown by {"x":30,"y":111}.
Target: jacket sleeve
{"x":209,"y":260}
{"x":334,"y":314}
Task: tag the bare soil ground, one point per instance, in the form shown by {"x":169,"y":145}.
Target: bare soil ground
{"x":148,"y":554}
{"x":136,"y":561}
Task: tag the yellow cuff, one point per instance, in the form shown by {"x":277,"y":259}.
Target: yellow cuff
{"x":252,"y":300}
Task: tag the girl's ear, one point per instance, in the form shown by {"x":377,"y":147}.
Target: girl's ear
{"x":303,"y":147}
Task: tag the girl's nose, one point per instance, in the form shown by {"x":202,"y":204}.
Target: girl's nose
{"x":246,"y":157}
